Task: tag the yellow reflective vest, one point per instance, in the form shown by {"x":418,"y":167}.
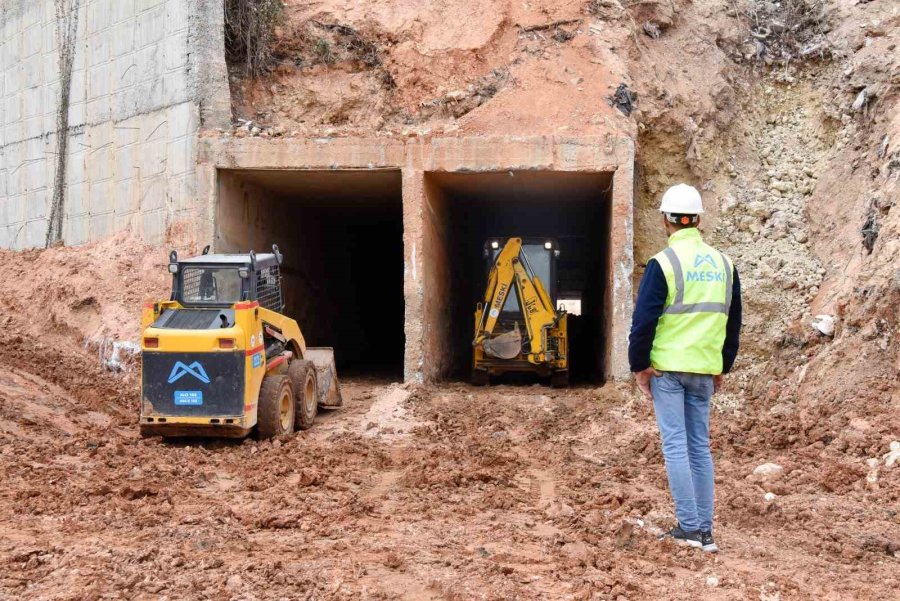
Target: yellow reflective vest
{"x":691,"y":331}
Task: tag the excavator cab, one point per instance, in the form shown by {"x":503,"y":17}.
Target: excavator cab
{"x":518,"y":327}
{"x":541,"y":255}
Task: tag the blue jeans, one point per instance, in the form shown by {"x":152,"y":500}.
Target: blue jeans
{"x":681,"y":404}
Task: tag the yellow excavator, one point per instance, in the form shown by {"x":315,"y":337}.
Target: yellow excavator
{"x":516,"y":298}
{"x":219,"y":358}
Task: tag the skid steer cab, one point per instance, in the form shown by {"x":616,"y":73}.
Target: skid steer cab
{"x":219,"y":358}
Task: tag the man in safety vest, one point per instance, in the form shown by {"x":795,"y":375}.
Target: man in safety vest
{"x":684,"y":337}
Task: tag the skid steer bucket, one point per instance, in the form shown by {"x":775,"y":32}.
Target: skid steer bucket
{"x":329,"y":387}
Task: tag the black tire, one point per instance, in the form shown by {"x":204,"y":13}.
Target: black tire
{"x":306,"y":392}
{"x":275,"y":414}
{"x":560,"y":379}
{"x":480,"y":377}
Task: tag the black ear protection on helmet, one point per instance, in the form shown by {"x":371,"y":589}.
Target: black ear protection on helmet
{"x":679,"y":219}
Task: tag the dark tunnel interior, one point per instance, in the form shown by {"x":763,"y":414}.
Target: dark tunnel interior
{"x":341,"y":233}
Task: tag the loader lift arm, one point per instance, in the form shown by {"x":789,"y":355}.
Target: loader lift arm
{"x":511,"y":268}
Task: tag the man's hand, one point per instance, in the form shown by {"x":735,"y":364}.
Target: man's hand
{"x":719,"y":383}
{"x":643,"y":380}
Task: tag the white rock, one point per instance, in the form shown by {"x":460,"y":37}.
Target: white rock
{"x":728,"y":203}
{"x":780,"y":186}
{"x":894,"y":455}
{"x":824,"y":324}
{"x":872,"y":476}
{"x":769,"y":497}
{"x":861,"y":99}
{"x":712,"y":581}
{"x":873,"y":464}
{"x":768,"y":469}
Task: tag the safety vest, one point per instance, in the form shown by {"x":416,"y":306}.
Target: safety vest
{"x":691,"y":331}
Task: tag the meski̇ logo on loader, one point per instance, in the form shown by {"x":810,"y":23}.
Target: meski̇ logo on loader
{"x":194,"y":369}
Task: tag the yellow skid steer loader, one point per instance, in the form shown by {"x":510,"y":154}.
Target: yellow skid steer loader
{"x":219,"y":358}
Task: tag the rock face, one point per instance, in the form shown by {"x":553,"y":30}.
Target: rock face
{"x":765,"y":229}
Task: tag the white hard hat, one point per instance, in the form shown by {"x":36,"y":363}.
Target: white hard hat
{"x":682,"y":199}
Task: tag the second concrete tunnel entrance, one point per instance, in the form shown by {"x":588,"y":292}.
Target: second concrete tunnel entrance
{"x":464,"y":210}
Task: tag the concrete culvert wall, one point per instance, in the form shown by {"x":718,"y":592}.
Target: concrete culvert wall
{"x":386,"y":237}
{"x":341,"y":233}
{"x":466,"y":209}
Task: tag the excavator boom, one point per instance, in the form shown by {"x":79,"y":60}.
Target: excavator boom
{"x":500,"y":282}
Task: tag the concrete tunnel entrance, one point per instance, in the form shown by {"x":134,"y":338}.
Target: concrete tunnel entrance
{"x":466,"y":209}
{"x":341,"y":233}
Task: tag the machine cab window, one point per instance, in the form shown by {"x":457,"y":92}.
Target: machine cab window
{"x":210,"y":285}
{"x":540,"y":255}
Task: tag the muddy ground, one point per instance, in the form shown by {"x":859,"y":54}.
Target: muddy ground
{"x":452,"y":492}
{"x":445,"y":492}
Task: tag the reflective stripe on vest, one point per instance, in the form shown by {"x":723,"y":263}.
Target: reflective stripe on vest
{"x":678,"y":305}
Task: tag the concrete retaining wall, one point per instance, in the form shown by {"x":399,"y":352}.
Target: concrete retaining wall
{"x":145,"y":75}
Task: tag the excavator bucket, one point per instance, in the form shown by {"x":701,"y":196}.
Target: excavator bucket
{"x":329,"y":387}
{"x":504,"y":346}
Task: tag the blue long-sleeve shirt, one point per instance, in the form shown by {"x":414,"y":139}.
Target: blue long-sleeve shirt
{"x":651,"y":302}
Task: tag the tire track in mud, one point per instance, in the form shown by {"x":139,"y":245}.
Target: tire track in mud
{"x":543,"y":487}
{"x":381,"y":486}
